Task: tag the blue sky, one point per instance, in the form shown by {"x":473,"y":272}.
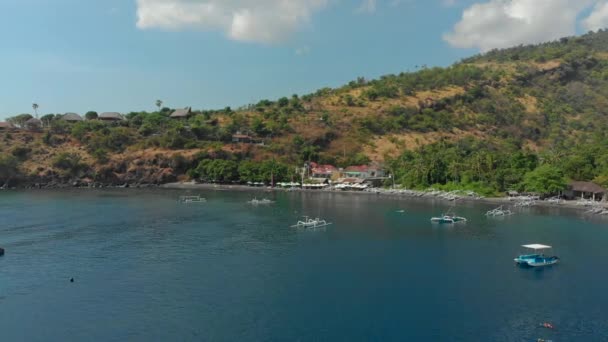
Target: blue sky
{"x":122,"y":55}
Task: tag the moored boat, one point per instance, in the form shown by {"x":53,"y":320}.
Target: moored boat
{"x":192,"y":199}
{"x":448,"y":218}
{"x":263,"y":201}
{"x":499,"y":212}
{"x":536,"y":257}
{"x":311,"y":223}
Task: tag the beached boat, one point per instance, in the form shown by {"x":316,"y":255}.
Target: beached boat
{"x":311,"y":223}
{"x":498,"y":212}
{"x":263,"y":201}
{"x":535,"y":256}
{"x":192,"y":199}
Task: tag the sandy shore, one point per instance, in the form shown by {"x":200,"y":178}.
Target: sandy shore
{"x":491,"y":200}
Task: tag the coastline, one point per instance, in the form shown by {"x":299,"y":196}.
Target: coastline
{"x":497,"y":201}
{"x":572,"y":204}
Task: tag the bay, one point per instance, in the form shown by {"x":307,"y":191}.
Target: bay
{"x":147,"y":268}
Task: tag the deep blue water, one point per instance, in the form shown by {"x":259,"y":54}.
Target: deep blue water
{"x":149,"y":269}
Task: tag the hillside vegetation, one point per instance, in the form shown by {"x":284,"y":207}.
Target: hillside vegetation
{"x":526,"y":118}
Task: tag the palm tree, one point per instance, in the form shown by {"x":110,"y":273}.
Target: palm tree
{"x":159,"y":104}
{"x":35,"y":107}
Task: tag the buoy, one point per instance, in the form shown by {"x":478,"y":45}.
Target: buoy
{"x":1,"y":251}
{"x":71,"y":280}
{"x":547,"y":325}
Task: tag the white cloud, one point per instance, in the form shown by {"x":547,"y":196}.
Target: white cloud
{"x":367,"y":6}
{"x":504,"y":23}
{"x":598,"y":19}
{"x":262,"y":21}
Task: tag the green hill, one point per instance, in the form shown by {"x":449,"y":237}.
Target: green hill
{"x":526,"y":118}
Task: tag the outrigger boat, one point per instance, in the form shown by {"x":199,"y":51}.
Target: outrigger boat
{"x":311,"y":223}
{"x":448,"y":218}
{"x":499,"y":212}
{"x":263,"y":201}
{"x":537,"y":257}
{"x":192,"y":199}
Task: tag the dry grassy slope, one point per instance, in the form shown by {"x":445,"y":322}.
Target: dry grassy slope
{"x":348,"y":140}
{"x":40,"y":159}
{"x":41,"y":156}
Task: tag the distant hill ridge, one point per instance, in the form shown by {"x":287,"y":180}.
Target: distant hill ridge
{"x":490,"y":122}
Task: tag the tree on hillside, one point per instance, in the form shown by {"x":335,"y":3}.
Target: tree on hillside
{"x":46,"y":119}
{"x":35,"y":106}
{"x":283,"y":101}
{"x":9,"y":167}
{"x":70,"y":163}
{"x":545,"y":179}
{"x":91,"y":115}
{"x":159,"y":104}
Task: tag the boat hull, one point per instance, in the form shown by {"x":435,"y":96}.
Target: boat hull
{"x":536,"y":262}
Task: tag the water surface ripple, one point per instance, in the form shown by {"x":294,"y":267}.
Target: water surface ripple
{"x":147,"y":268}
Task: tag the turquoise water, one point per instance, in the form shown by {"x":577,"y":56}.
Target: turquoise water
{"x":149,"y":269}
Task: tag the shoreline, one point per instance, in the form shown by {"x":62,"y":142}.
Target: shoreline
{"x":565,"y":204}
{"x":498,"y":201}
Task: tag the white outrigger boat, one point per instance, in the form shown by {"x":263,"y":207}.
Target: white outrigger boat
{"x":497,"y":212}
{"x":536,"y":256}
{"x":263,"y":201}
{"x":311,"y":223}
{"x":192,"y":199}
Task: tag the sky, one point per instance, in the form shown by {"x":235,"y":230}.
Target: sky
{"x":123,"y":55}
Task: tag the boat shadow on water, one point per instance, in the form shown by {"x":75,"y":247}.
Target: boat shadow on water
{"x":536,"y":273}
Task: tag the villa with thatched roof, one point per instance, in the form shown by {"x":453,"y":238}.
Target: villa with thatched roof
{"x":72,"y":117}
{"x":181,"y":113}
{"x":110,"y":116}
{"x":584,"y":190}
{"x":33,"y":124}
{"x":6,"y":126}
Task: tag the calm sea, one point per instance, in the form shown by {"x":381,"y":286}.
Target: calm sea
{"x":147,"y":268}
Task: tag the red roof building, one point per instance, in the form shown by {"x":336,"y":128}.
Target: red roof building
{"x":322,"y":171}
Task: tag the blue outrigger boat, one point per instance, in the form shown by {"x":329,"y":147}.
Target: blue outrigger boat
{"x":537,"y":257}
{"x":448,"y":218}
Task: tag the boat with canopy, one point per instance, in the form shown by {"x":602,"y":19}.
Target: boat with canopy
{"x":535,"y":256}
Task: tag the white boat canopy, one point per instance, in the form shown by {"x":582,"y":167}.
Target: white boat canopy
{"x":536,"y":246}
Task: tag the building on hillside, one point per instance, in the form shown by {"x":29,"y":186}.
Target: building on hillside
{"x":363,"y":172}
{"x":322,"y":171}
{"x":6,"y":126}
{"x":586,"y":190}
{"x":110,"y":117}
{"x":72,"y":118}
{"x":33,"y":124}
{"x":181,"y":113}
